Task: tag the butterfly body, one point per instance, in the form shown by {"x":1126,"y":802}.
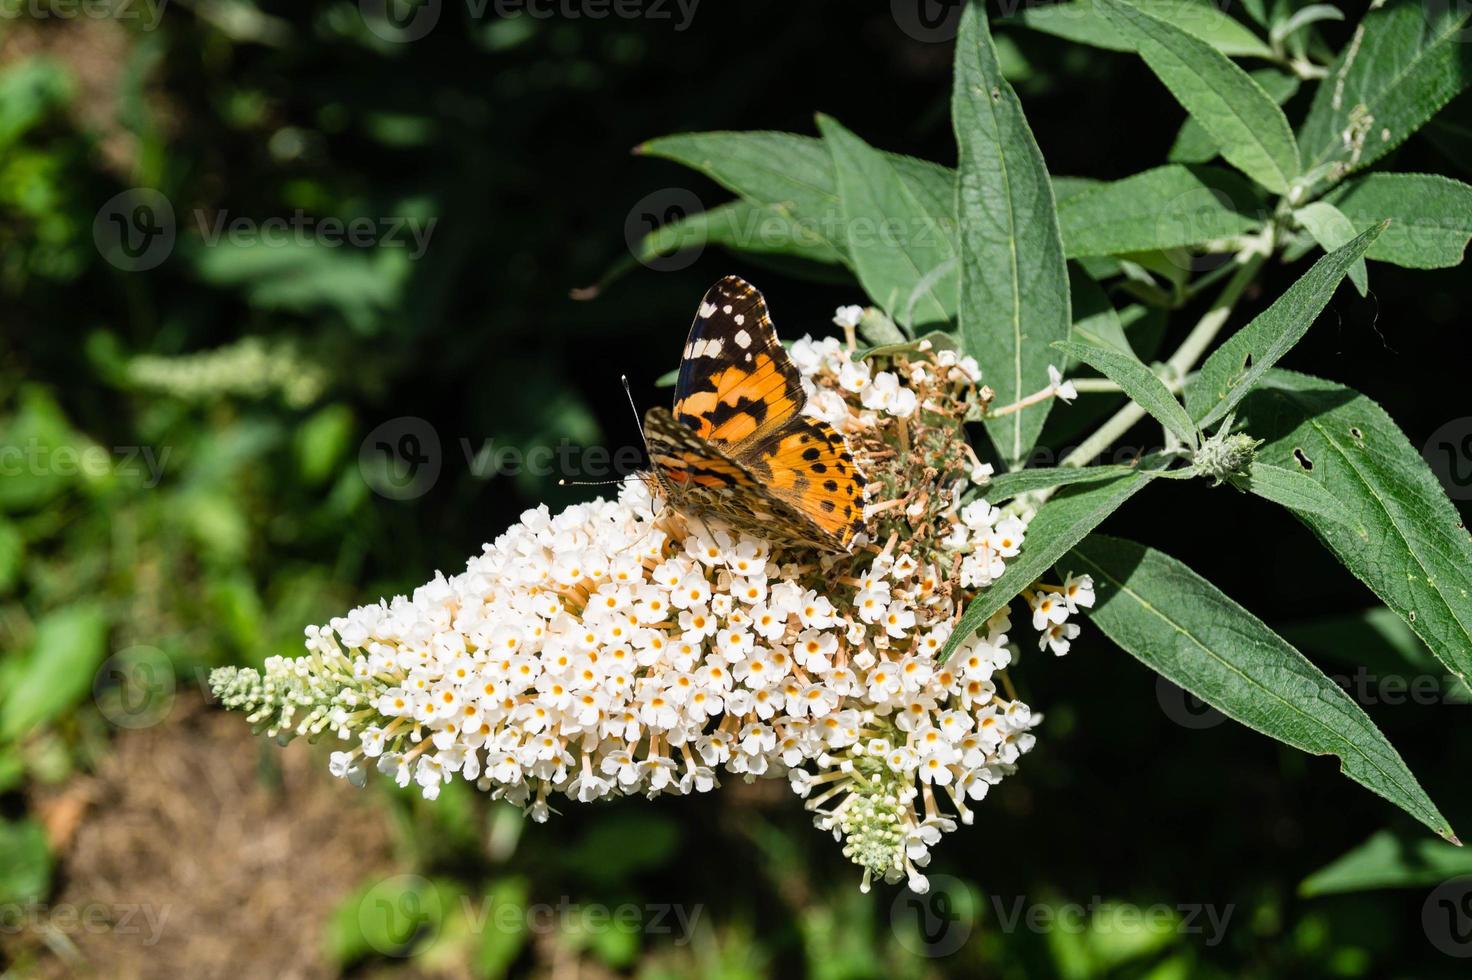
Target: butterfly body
{"x":736,"y":444}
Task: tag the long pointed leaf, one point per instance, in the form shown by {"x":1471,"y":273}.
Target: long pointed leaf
{"x":902,"y":253}
{"x":1237,"y":365}
{"x":1405,"y":60}
{"x":1014,"y":282}
{"x":1412,"y":551}
{"x":1137,"y":380}
{"x":1184,"y":628}
{"x":1246,"y":123}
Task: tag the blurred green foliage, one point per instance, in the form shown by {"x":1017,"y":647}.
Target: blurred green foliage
{"x":183,"y":486}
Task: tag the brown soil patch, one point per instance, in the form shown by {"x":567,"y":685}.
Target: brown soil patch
{"x":211,"y":853}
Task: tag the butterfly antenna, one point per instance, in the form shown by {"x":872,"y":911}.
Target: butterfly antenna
{"x":634,"y":408}
{"x":637,"y":421}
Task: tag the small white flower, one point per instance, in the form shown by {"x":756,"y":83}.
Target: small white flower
{"x":1063,"y":390}
{"x":848,"y":316}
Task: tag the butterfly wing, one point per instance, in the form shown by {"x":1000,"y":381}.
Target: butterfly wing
{"x":737,"y":439}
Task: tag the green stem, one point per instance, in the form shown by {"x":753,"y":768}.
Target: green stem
{"x":1181,"y":362}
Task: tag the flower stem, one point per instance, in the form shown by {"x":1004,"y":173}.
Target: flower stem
{"x":1182,"y":361}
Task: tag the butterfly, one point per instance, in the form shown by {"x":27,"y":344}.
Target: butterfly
{"x":737,"y":445}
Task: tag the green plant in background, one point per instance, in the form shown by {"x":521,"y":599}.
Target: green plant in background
{"x":121,"y":572}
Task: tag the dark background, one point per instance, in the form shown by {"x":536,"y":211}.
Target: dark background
{"x":516,"y":135}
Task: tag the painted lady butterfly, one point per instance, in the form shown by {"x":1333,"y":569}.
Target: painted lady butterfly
{"x":737,"y":445}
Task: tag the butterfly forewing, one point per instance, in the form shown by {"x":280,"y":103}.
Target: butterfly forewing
{"x":737,"y":444}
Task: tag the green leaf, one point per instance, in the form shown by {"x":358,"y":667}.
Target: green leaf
{"x":1168,"y":207}
{"x":1195,"y":145}
{"x":1014,"y":282}
{"x":1414,"y":556}
{"x":1389,"y":861}
{"x":1332,"y":229}
{"x":1430,"y":217}
{"x":791,"y":173}
{"x":901,"y":250}
{"x":25,"y":863}
{"x":1301,"y":18}
{"x":1058,"y":525}
{"x":1137,"y":380}
{"x":1245,"y":122}
{"x":392,"y":916}
{"x":1092,"y":311}
{"x":1005,"y":486}
{"x":1236,"y":366}
{"x":1294,"y":489}
{"x":740,"y":226}
{"x":1184,"y":628}
{"x":59,"y":670}
{"x":1405,"y":61}
{"x":1082,"y":21}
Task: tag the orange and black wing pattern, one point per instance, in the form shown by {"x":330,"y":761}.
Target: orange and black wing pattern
{"x":737,"y":444}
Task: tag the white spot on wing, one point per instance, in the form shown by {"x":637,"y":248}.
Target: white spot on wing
{"x":740,"y":318}
{"x":707,"y":309}
{"x":743,"y":340}
{"x":727,"y":308}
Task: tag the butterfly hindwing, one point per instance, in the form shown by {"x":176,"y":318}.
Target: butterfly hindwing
{"x":737,"y":444}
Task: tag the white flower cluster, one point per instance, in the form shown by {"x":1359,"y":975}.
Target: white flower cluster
{"x":1051,"y":607}
{"x":250,"y":368}
{"x":616,"y":648}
